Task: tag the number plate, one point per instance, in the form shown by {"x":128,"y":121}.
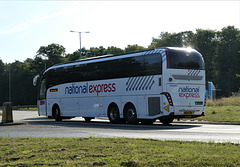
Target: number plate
{"x":188,"y":113}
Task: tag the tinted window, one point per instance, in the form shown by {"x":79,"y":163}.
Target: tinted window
{"x":42,"y":91}
{"x":56,"y":76}
{"x":153,"y":64}
{"x":181,"y":59}
{"x":119,"y":68}
{"x":132,"y":66}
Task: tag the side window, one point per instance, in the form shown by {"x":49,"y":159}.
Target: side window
{"x":153,"y":64}
{"x":132,"y":66}
{"x":92,"y":71}
{"x":110,"y":69}
{"x":126,"y":66}
{"x":83,"y":70}
{"x":56,"y":76}
{"x":42,"y":91}
{"x":118,"y":68}
{"x":138,"y":67}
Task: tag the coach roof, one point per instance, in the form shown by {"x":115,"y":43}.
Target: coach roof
{"x":112,"y":57}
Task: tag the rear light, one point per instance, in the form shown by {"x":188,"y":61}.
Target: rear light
{"x":169,"y":98}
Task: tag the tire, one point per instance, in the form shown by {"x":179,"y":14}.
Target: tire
{"x":147,"y":121}
{"x":56,"y":113}
{"x":166,"y":120}
{"x":130,"y":114}
{"x":113,"y":114}
{"x":88,"y":119}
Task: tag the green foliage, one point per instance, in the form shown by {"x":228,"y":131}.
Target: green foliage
{"x":206,"y":43}
{"x":230,"y":101}
{"x":133,"y":48}
{"x":54,"y":53}
{"x":167,"y":39}
{"x":3,"y":81}
{"x":222,"y":110}
{"x":73,"y":56}
{"x":95,"y":151}
{"x":229,"y":60}
{"x":114,"y":50}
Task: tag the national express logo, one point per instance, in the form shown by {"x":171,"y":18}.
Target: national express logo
{"x":85,"y":88}
{"x":189,"y":92}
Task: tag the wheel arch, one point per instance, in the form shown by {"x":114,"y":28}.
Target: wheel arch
{"x":114,"y":113}
{"x":130,"y":113}
{"x":114,"y":101}
{"x":126,"y":105}
{"x":54,"y":106}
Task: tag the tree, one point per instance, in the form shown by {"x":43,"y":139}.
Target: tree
{"x":73,"y":56}
{"x":167,"y":39}
{"x":4,"y":76}
{"x":133,"y":48}
{"x":206,"y":42}
{"x":188,"y":39}
{"x":114,"y":50}
{"x":228,"y":64}
{"x":22,"y":89}
{"x":38,"y":65}
{"x":94,"y":51}
{"x":54,"y":53}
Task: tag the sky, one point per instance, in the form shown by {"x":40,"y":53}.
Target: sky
{"x":25,"y":26}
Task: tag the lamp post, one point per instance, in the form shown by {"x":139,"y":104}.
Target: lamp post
{"x":80,"y":40}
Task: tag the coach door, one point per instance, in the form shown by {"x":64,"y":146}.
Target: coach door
{"x":42,"y":102}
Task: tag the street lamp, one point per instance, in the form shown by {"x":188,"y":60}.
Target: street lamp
{"x":80,"y":40}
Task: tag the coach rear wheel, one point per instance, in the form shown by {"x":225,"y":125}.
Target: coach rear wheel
{"x":56,"y":113}
{"x":130,"y":114}
{"x":88,"y":119}
{"x":147,"y":121}
{"x":166,"y":120}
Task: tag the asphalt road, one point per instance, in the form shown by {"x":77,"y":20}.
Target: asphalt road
{"x":29,"y":124}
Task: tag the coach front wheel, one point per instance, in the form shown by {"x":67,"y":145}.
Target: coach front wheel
{"x":113,"y":114}
{"x":56,"y":113}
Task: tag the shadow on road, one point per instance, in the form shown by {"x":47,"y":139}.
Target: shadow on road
{"x":105,"y":124}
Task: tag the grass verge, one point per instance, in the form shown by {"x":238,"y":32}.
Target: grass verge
{"x":115,"y":152}
{"x":222,"y":110}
